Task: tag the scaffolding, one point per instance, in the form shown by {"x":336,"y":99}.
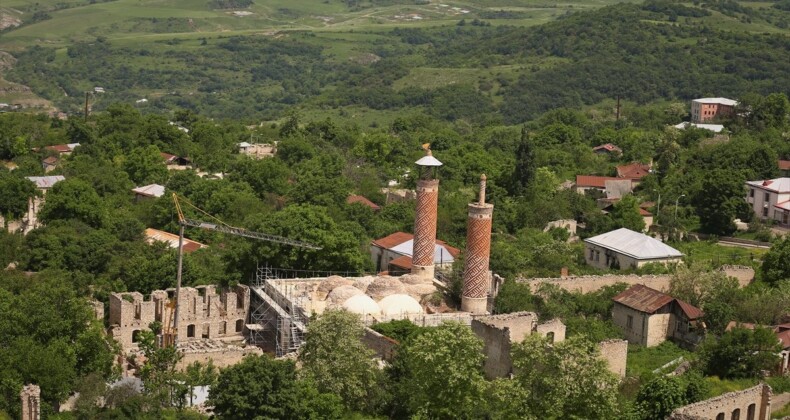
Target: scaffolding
{"x":272,"y":325}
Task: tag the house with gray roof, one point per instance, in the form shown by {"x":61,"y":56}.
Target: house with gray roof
{"x":623,"y":249}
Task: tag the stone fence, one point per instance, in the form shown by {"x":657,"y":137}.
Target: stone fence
{"x":587,"y":284}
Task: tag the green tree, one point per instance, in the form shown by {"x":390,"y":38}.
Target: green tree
{"x":74,"y":199}
{"x":145,"y":165}
{"x":740,"y":353}
{"x":336,"y":360}
{"x":776,"y":263}
{"x":720,"y":200}
{"x":14,"y":194}
{"x":441,"y":373}
{"x":659,"y":396}
{"x":263,"y":388}
{"x":568,"y":379}
{"x":626,"y":214}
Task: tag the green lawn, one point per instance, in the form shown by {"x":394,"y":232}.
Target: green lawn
{"x":642,"y":361}
{"x":718,"y":255}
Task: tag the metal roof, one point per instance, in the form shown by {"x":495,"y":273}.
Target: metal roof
{"x":634,"y":244}
{"x":44,"y":182}
{"x":428,"y":160}
{"x":716,"y":128}
{"x":643,"y":298}
{"x":152,"y":190}
{"x":779,"y":185}
{"x":721,"y":101}
{"x":403,"y":243}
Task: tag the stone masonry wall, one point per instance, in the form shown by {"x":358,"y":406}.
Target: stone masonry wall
{"x":615,"y":352}
{"x":752,"y":403}
{"x":587,"y":284}
{"x":381,"y":344}
{"x":202,"y":314}
{"x":220,"y":358}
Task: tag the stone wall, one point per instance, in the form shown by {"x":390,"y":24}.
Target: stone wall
{"x":749,"y":404}
{"x":615,"y":353}
{"x":220,"y":357}
{"x":381,"y":344}
{"x":500,"y":332}
{"x":587,"y":284}
{"x":202,"y":313}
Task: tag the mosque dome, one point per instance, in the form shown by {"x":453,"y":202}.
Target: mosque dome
{"x":340,"y":294}
{"x":362,"y":305}
{"x":384,"y":286}
{"x":330,"y":283}
{"x":397,"y":304}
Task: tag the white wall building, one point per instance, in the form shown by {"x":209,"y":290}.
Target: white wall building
{"x":770,"y":199}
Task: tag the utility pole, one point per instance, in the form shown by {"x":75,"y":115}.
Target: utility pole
{"x":86,"y":105}
{"x":617,"y":115}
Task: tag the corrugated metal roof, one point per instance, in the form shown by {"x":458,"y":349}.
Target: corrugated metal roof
{"x":44,"y":182}
{"x":643,"y":298}
{"x":152,"y":190}
{"x":171,"y":240}
{"x":634,"y":244}
{"x":721,"y":101}
{"x":403,"y":243}
{"x":634,"y":170}
{"x":691,"y":311}
{"x":779,"y":185}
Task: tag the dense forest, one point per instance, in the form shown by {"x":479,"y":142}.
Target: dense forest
{"x":642,"y":53}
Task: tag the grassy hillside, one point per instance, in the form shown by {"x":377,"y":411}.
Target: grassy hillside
{"x":497,"y":59}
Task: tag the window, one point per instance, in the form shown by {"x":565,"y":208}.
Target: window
{"x":720,"y":416}
{"x":550,"y":337}
{"x":785,"y":218}
{"x":205,"y":332}
{"x":223,"y":328}
{"x":592,"y":254}
{"x":750,"y":412}
{"x":751,"y":193}
{"x":136,"y":336}
{"x":629,"y":323}
{"x":767,"y":197}
{"x":736,"y":414}
{"x":239,"y":325}
{"x":190,"y":331}
{"x":765,"y":211}
{"x":597,"y":256}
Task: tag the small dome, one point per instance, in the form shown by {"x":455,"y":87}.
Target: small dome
{"x":419,"y":291}
{"x":362,"y":283}
{"x":330,"y":283}
{"x":413,"y":279}
{"x":340,"y":294}
{"x":382,"y":287}
{"x":362,"y":305}
{"x":398,"y":304}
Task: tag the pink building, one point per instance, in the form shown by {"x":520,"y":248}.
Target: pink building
{"x":708,"y":109}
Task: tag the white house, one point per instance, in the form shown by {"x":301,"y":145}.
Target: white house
{"x":770,"y":199}
{"x":623,"y":249}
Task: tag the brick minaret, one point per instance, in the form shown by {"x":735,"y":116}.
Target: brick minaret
{"x":425,"y":217}
{"x":477,"y":280}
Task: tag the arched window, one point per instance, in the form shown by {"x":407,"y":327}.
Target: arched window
{"x":239,"y":325}
{"x":191,"y":331}
{"x":136,"y":336}
{"x":550,"y":337}
{"x":720,"y":416}
{"x":736,"y":414}
{"x":750,"y":412}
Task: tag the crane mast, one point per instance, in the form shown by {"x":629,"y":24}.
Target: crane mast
{"x":171,"y":334}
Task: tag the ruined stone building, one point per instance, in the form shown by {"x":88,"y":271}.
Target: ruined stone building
{"x":31,"y":402}
{"x":500,"y":332}
{"x":204,"y":314}
{"x":649,"y":317}
{"x":749,"y":404}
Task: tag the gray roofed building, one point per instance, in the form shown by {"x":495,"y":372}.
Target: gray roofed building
{"x":46,"y":182}
{"x":623,"y":248}
{"x":151,"y":190}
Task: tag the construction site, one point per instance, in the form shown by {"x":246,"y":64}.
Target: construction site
{"x":271,"y":314}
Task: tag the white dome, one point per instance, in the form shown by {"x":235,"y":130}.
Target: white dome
{"x":362,"y":305}
{"x":394,"y":305}
{"x":328,"y":284}
{"x":340,"y":294}
{"x":384,"y":286}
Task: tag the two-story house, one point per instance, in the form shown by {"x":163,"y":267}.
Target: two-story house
{"x":770,"y":199}
{"x":708,"y":109}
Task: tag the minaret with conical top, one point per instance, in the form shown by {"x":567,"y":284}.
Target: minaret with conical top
{"x":477,"y":279}
{"x":425,"y":217}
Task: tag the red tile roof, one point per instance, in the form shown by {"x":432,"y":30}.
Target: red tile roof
{"x":168,"y":157}
{"x":362,"y":200}
{"x":784,"y":337}
{"x":784,"y":165}
{"x":643,"y":298}
{"x":594,"y":181}
{"x":52,"y":160}
{"x":644,"y":212}
{"x":634,"y":170}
